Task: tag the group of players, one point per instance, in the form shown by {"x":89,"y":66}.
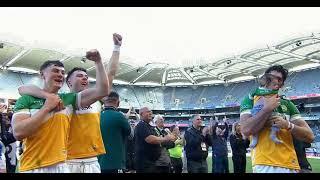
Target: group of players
{"x":61,"y":131}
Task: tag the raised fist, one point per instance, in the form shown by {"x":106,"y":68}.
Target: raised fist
{"x":117,"y":39}
{"x":93,"y":55}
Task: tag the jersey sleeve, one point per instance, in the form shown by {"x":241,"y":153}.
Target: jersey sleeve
{"x":70,"y":99}
{"x":293,"y":110}
{"x":246,"y":105}
{"x":22,"y":105}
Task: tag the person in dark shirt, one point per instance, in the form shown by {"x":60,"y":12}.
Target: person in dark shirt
{"x":6,"y":136}
{"x":300,"y":148}
{"x":220,"y":132}
{"x":6,"y":130}
{"x":130,"y":162}
{"x":114,"y":130}
{"x":147,"y":143}
{"x":239,"y":145}
{"x":197,"y":141}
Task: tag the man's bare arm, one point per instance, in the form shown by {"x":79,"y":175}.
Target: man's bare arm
{"x":113,"y":65}
{"x":302,"y":131}
{"x":32,"y":90}
{"x":23,"y":125}
{"x":251,"y":125}
{"x":151,"y":139}
{"x":91,"y":95}
{"x":35,"y":91}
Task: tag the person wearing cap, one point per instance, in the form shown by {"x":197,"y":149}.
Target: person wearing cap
{"x":148,"y":143}
{"x":113,"y":124}
{"x":220,"y":132}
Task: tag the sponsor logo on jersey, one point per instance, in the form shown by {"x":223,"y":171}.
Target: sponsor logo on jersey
{"x":86,"y":108}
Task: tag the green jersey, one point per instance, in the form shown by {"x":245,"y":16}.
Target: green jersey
{"x":286,"y":107}
{"x":48,"y":145}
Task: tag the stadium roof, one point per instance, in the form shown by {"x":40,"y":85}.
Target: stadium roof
{"x":296,"y":52}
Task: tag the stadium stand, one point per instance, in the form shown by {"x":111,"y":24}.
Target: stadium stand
{"x":186,"y":98}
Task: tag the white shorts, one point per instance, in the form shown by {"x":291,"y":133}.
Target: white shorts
{"x":272,"y":169}
{"x":87,"y":165}
{"x":57,"y":168}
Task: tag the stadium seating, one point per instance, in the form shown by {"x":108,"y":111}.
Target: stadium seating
{"x":184,"y":97}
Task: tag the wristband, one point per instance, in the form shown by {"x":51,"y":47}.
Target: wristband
{"x":116,"y":48}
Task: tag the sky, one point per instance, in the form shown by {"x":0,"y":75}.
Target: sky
{"x":177,"y":36}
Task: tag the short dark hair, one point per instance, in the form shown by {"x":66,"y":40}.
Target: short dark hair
{"x":279,"y":69}
{"x":73,"y":70}
{"x":49,"y":63}
{"x":112,"y":96}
